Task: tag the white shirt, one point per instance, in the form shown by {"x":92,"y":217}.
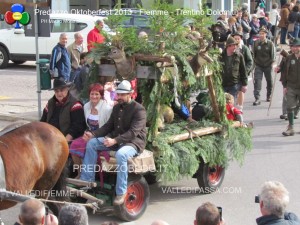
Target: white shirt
{"x":272,"y":17}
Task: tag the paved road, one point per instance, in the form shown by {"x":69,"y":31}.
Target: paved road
{"x":18,"y":90}
{"x":273,"y":157}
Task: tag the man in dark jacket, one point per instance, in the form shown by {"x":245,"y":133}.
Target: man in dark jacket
{"x":60,"y":63}
{"x":273,"y":200}
{"x":264,"y":56}
{"x":238,"y":36}
{"x":291,"y":83}
{"x":64,"y":111}
{"x":234,"y":72}
{"x":124,"y":132}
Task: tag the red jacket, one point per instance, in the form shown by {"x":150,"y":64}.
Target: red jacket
{"x":94,"y":36}
{"x":232,"y":112}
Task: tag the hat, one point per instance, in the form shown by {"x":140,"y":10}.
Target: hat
{"x":60,"y":83}
{"x":231,"y":41}
{"x":263,"y":30}
{"x":124,"y":87}
{"x":262,"y":5}
{"x":295,"y":42}
{"x":237,"y":33}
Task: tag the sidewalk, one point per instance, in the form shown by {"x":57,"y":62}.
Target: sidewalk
{"x":30,"y":116}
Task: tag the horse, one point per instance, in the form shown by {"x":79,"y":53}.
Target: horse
{"x":34,"y":156}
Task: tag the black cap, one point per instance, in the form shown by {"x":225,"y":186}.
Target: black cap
{"x":60,"y":83}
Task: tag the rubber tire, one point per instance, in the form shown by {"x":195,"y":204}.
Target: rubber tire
{"x":18,"y":62}
{"x":5,"y":58}
{"x":127,"y":214}
{"x":204,"y":178}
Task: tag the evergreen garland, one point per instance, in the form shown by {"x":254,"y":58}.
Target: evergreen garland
{"x":181,"y":159}
{"x":176,"y":160}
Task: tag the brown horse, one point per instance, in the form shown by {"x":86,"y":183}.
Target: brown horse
{"x":34,"y":156}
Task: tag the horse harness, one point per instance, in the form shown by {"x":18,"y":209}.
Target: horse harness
{"x":13,"y":126}
{"x":2,"y":175}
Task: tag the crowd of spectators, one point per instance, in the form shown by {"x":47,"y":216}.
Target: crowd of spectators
{"x":273,"y":200}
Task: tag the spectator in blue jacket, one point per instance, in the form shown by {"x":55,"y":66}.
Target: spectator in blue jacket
{"x":60,"y":63}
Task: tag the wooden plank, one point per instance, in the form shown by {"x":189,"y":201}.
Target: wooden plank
{"x":153,"y":58}
{"x":213,"y":99}
{"x":82,"y":194}
{"x":107,"y":70}
{"x":81,"y":183}
{"x":198,"y":133}
{"x":147,"y":72}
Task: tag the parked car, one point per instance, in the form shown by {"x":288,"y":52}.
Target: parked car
{"x":133,"y":18}
{"x":17,"y":47}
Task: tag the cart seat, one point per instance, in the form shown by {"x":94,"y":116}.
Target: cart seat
{"x":140,"y":164}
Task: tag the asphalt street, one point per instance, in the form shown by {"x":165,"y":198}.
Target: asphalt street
{"x":273,"y":157}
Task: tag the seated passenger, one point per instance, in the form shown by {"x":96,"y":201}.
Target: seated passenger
{"x":233,"y":113}
{"x":64,"y":111}
{"x":97,"y":112}
{"x":124,"y":132}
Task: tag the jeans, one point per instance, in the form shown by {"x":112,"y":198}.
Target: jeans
{"x":122,"y":155}
{"x":233,"y":90}
{"x":283,"y":35}
{"x":258,"y":75}
{"x":296,"y":30}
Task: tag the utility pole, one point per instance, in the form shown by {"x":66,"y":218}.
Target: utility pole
{"x":36,"y":34}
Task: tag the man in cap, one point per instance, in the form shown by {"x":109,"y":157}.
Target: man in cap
{"x":64,"y":111}
{"x":124,"y":132}
{"x":234,"y":71}
{"x":238,"y":37}
{"x":291,"y":83}
{"x":264,"y":56}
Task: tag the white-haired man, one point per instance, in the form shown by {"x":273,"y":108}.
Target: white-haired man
{"x":273,"y":200}
{"x":60,"y":64}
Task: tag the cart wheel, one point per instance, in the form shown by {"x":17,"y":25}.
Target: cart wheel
{"x":136,"y":200}
{"x":209,"y":178}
